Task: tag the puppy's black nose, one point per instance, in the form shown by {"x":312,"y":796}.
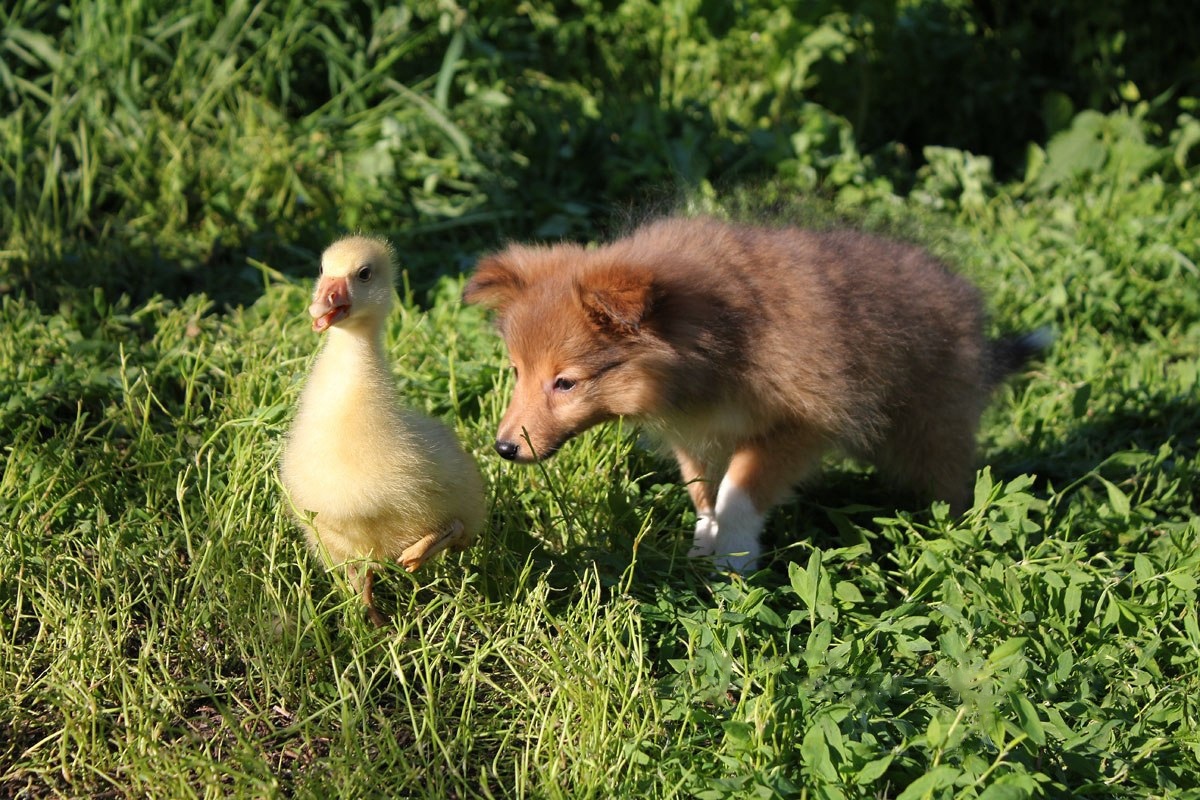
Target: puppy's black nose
{"x":507,"y":450}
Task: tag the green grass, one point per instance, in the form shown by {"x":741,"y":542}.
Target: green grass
{"x":168,"y":175}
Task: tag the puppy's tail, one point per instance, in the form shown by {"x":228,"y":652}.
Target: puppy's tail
{"x":1009,"y":353}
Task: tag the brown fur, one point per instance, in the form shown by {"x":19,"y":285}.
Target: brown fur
{"x":750,"y":351}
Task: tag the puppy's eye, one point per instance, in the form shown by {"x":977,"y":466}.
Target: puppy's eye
{"x":364,"y":274}
{"x":320,"y":270}
{"x":563,"y":384}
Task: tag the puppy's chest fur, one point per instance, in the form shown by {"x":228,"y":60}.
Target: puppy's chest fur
{"x":710,"y":427}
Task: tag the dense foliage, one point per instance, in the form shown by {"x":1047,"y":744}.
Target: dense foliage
{"x":168,"y":173}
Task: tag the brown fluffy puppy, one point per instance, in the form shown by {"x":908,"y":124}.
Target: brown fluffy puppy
{"x":750,"y":352}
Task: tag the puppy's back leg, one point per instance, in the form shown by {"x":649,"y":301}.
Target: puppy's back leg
{"x":931,"y":453}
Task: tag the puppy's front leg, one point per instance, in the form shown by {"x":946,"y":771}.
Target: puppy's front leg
{"x":739,"y":524}
{"x":760,"y":475}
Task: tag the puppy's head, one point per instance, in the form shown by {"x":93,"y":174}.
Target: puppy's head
{"x":578,"y":328}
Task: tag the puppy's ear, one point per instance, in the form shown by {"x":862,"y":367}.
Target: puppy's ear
{"x":617,"y":300}
{"x":497,"y":280}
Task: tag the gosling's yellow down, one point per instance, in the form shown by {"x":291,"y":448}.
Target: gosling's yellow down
{"x":381,"y":481}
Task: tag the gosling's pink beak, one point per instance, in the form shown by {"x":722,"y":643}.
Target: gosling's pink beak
{"x":331,"y":303}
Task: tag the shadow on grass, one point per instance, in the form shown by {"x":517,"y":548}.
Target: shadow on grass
{"x":1144,"y":426}
{"x":232,"y":270}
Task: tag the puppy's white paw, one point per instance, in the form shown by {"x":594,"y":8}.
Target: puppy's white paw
{"x":704,"y":541}
{"x":739,"y":524}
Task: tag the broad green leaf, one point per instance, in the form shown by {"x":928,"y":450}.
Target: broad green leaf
{"x":1112,"y":611}
{"x":1072,"y":600}
{"x":937,"y":778}
{"x":1117,"y":500}
{"x":848,"y":592}
{"x":1010,"y":648}
{"x":818,"y":644}
{"x":1012,"y":786}
{"x":1193,"y":628}
{"x":1142,"y":568}
{"x":802,"y":583}
{"x":1183,"y":580}
{"x":873,"y":770}
{"x":814,"y":751}
{"x":983,"y":487}
{"x":935,"y":732}
{"x":1027,"y":719}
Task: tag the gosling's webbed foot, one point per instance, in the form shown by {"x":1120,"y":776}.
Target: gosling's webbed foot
{"x":366,"y":584}
{"x":453,"y":535}
{"x":378,"y":618}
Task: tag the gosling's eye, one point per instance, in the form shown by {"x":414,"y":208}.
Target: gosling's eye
{"x":563,"y":384}
{"x":364,"y":274}
{"x":320,"y":270}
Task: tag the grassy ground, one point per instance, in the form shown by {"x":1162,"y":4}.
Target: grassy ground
{"x":163,"y":631}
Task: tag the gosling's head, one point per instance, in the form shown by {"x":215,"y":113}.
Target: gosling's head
{"x":355,"y":286}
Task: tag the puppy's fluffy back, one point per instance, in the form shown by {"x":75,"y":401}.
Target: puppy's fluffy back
{"x":843,"y":328}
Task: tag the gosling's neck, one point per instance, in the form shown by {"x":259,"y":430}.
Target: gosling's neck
{"x":353,"y":355}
